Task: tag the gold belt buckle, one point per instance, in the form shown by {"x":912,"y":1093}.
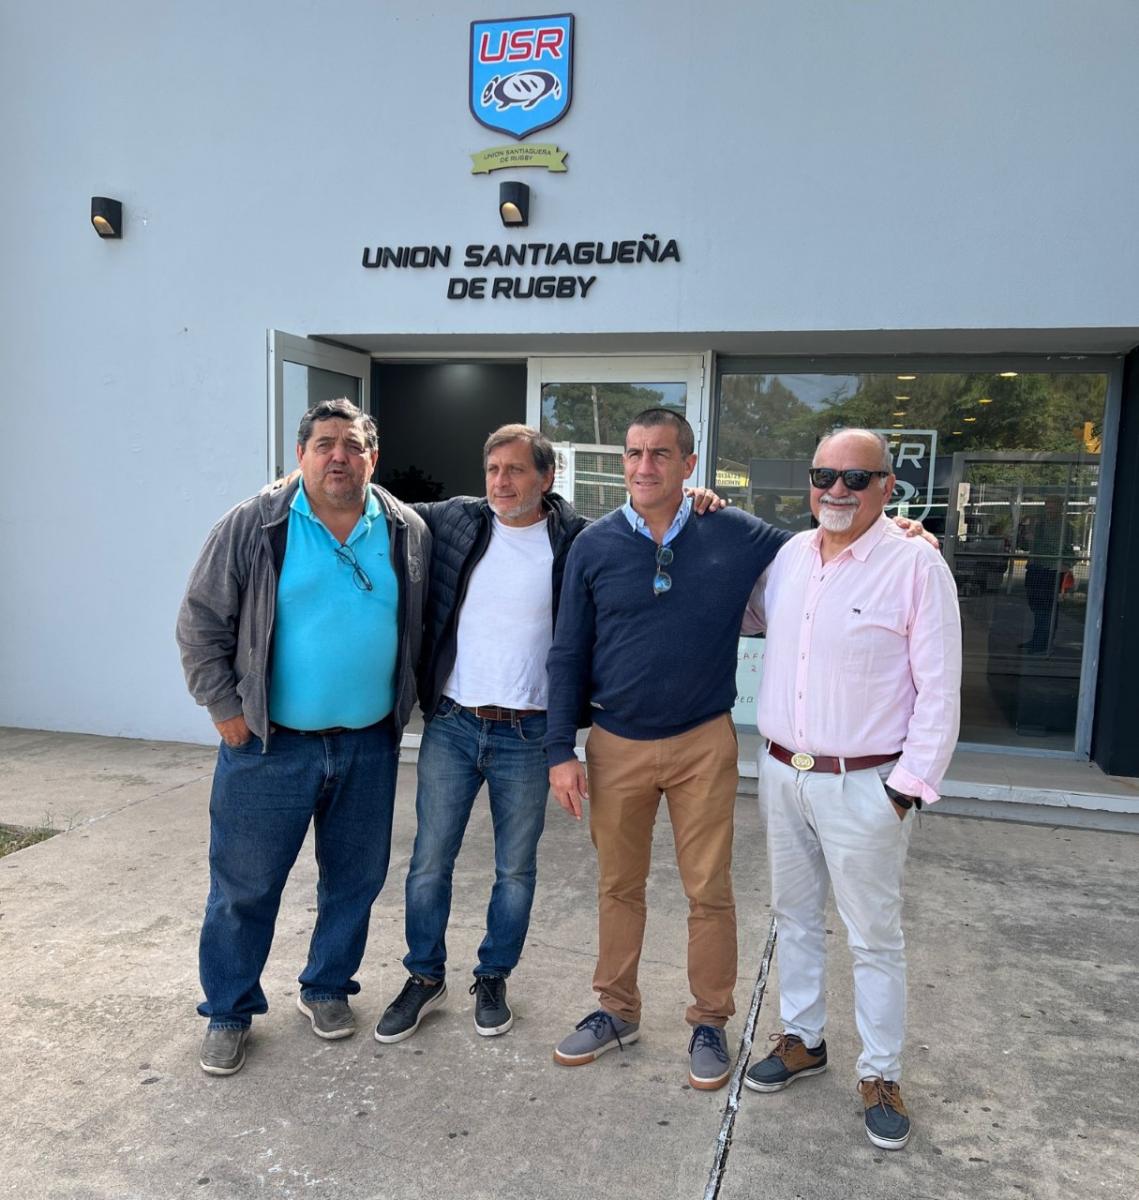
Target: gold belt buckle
{"x":802,"y":762}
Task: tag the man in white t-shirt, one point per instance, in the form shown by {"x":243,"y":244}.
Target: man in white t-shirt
{"x":495,"y":575}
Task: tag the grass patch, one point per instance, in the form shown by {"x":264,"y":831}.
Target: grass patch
{"x":13,"y":838}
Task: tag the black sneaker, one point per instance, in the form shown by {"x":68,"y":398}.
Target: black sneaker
{"x":401,"y":1018}
{"x":492,"y":1013}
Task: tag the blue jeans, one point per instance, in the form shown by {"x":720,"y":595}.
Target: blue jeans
{"x":460,"y":752}
{"x":260,"y":810}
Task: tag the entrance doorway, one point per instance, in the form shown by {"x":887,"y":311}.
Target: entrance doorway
{"x":434,"y":418}
{"x":584,"y":404}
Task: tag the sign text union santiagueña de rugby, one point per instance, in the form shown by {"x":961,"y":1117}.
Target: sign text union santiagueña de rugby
{"x":521,"y":73}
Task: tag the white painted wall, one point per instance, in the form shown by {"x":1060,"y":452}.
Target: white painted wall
{"x":825,"y":165}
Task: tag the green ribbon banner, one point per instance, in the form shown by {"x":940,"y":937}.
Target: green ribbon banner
{"x":540,"y":154}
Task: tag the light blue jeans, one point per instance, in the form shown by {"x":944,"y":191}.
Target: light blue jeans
{"x":460,"y":752}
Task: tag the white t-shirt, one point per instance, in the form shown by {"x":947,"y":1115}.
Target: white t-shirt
{"x":506,"y":623}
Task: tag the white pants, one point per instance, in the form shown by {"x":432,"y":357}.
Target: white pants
{"x":841,"y":830}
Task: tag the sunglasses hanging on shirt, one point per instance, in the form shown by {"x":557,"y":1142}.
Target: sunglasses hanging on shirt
{"x":662,"y":581}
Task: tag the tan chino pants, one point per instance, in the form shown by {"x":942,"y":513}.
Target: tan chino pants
{"x":697,"y":772}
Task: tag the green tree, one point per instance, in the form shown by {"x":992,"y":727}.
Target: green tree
{"x":595,"y":413}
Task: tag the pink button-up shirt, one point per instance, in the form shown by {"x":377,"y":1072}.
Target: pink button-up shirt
{"x":863,"y":654}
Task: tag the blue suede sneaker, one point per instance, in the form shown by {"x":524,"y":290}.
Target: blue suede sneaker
{"x":887,"y":1123}
{"x":592,"y":1036}
{"x":708,"y":1055}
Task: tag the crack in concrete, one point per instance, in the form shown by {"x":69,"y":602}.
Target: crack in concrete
{"x":731,"y":1108}
{"x":140,"y":800}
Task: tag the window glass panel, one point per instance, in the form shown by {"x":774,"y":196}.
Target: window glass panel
{"x":586,"y":423}
{"x":1003,"y":467}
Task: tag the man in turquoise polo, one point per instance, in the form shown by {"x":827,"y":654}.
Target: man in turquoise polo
{"x":299,"y":632}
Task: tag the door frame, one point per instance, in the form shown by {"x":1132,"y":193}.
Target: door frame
{"x":305,"y":352}
{"x":693,"y":370}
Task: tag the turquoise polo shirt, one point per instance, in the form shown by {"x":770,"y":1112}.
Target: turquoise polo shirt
{"x":335,"y":643}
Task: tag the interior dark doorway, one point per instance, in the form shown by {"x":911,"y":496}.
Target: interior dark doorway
{"x":434,"y":418}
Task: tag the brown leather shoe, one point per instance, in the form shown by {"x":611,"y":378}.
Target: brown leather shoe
{"x":787,"y":1062}
{"x":887,"y":1122}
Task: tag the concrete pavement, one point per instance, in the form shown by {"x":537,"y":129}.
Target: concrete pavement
{"x":1023,"y":1050}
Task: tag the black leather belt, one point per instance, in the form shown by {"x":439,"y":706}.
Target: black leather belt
{"x":827,"y":762}
{"x":495,"y":712}
{"x":319,"y":732}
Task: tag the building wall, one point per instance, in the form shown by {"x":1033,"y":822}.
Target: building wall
{"x":824,"y":166}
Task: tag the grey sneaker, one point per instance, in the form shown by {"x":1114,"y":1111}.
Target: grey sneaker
{"x":593,"y":1035}
{"x":330,"y":1019}
{"x":401,"y":1018}
{"x":223,"y":1051}
{"x":492,"y":1013}
{"x":708,"y":1054}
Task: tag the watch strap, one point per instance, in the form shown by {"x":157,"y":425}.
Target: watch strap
{"x":901,"y":799}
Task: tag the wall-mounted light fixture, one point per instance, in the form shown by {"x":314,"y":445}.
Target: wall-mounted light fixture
{"x":107,"y":216}
{"x":514,"y":203}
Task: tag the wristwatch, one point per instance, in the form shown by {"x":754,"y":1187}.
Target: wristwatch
{"x":901,"y":799}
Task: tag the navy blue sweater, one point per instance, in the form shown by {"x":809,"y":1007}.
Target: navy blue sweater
{"x":652,"y":666}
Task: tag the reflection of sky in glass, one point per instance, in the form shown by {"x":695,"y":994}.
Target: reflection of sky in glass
{"x":673,"y":395}
{"x":813,"y":390}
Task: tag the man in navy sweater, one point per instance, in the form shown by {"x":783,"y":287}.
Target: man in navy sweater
{"x":647,"y":639}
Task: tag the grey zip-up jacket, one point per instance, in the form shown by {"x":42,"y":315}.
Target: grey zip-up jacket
{"x":225,"y":624}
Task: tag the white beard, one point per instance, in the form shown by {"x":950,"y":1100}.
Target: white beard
{"x":836,"y":518}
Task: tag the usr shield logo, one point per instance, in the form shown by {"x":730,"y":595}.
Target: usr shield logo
{"x":521,"y":73}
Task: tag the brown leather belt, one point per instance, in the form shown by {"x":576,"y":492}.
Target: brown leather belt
{"x":827,"y":762}
{"x":494,"y":712}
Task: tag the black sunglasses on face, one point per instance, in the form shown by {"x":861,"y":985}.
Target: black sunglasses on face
{"x":855,"y":480}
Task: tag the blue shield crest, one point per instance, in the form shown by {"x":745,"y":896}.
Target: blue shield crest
{"x":521,"y":73}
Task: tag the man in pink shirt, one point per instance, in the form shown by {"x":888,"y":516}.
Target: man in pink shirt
{"x":860,"y":703}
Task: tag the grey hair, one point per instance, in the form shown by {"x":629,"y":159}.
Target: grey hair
{"x":883,"y":444}
{"x":540,"y":448}
{"x":343,"y":410}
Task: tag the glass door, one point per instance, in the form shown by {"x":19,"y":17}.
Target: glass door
{"x":1019,"y":542}
{"x":303,"y":373}
{"x":584,"y":405}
